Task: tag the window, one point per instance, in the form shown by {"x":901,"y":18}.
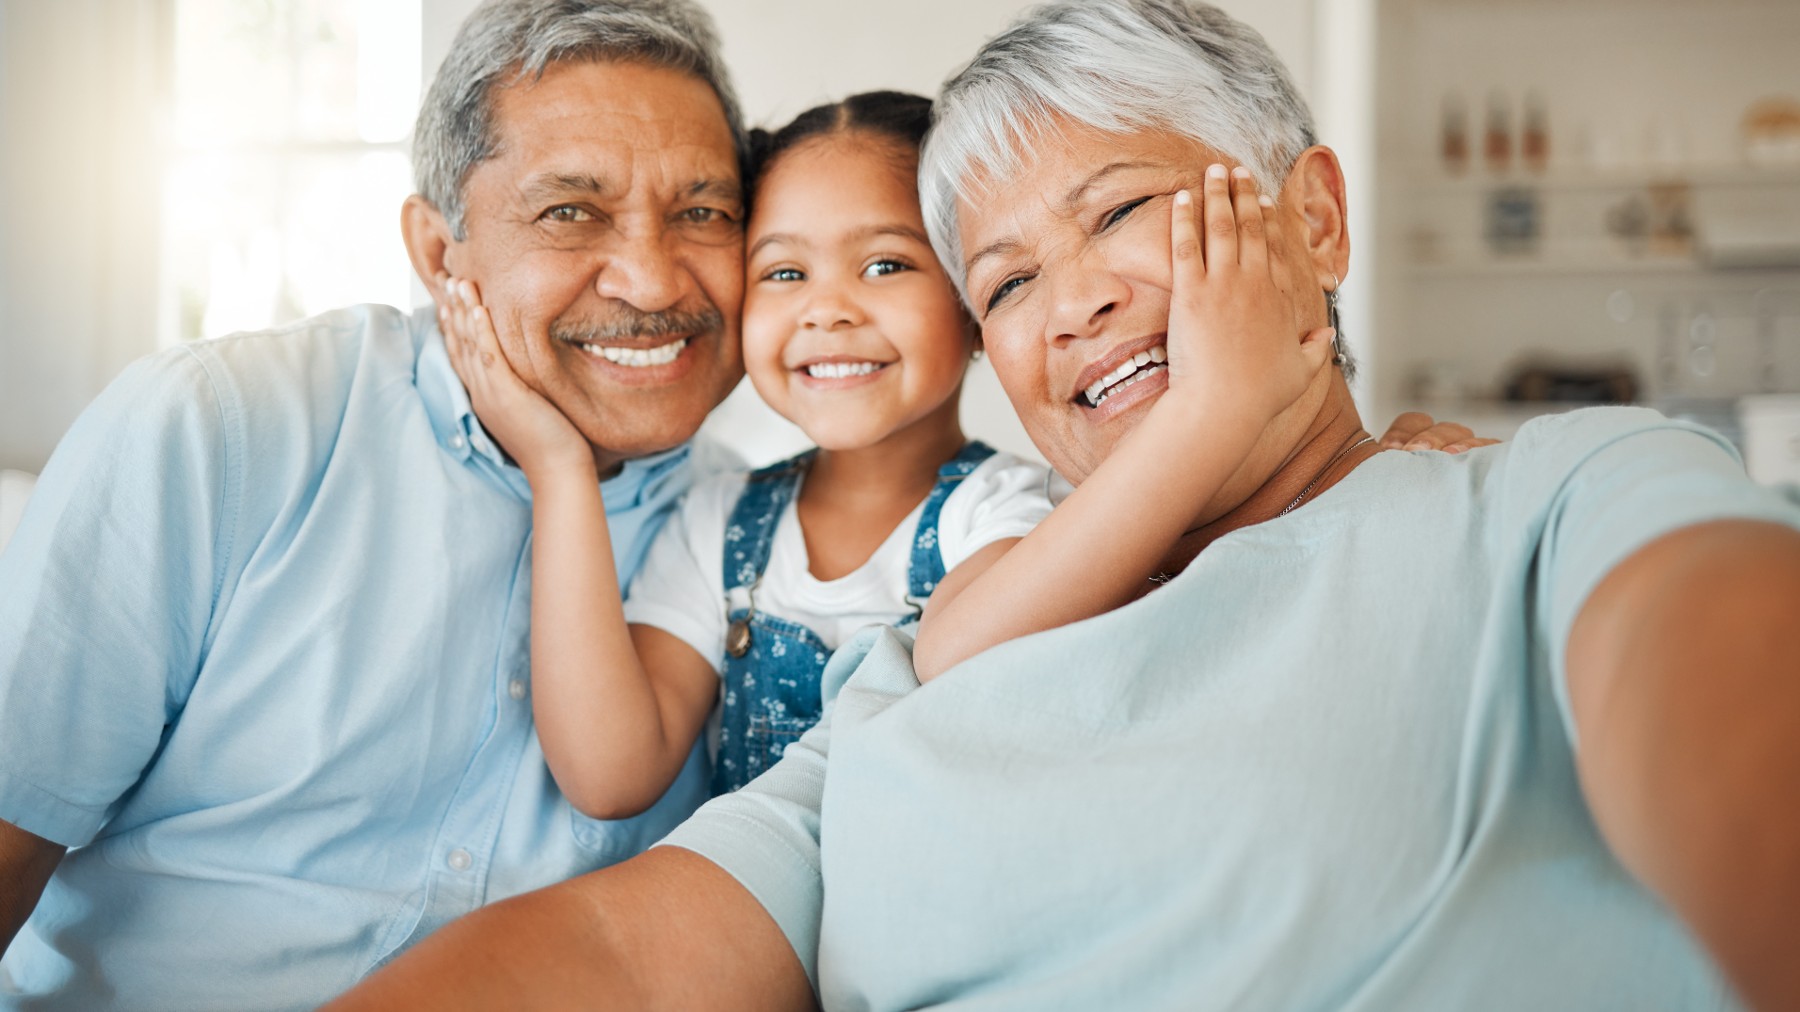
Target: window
{"x":290,"y":136}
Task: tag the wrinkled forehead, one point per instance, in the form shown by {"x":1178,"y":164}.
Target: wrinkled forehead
{"x":1004,"y":209}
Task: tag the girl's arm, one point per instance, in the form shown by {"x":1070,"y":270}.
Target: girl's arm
{"x":1095,"y":550}
{"x":617,"y":707}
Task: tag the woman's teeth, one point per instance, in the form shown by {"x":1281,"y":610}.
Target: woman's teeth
{"x":638,"y":358}
{"x":1126,"y":374}
{"x":838,"y":370}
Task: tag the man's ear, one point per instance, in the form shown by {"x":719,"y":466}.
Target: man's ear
{"x":1315,"y":188}
{"x":428,"y":243}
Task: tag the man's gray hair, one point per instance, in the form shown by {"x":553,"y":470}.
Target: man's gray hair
{"x":1117,"y":66}
{"x":506,"y":41}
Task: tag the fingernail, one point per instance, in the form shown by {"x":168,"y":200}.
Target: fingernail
{"x":1240,"y":173}
{"x":1265,"y":200}
{"x":1417,"y":444}
{"x":1183,"y":197}
{"x":1215,"y":171}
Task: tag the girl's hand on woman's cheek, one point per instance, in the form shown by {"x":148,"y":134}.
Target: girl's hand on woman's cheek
{"x":1415,"y":430}
{"x":1231,"y":331}
{"x":532,"y":431}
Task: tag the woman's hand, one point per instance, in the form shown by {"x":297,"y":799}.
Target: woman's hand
{"x":1231,"y":338}
{"x":531,"y":430}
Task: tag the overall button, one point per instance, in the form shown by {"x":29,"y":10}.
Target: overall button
{"x":516,"y":689}
{"x":457,"y":442}
{"x":459,"y":860}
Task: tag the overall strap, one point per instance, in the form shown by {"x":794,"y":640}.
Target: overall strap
{"x":927,"y":566}
{"x":750,"y":532}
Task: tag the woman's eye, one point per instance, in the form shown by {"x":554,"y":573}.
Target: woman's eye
{"x":884,"y":267}
{"x":1122,"y":212}
{"x":1005,"y":289}
{"x":567,"y":213}
{"x":784,"y":274}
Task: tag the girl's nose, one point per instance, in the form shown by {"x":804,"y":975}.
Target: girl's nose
{"x":830,"y":308}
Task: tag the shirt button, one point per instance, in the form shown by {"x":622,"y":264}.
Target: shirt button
{"x":517,"y":689}
{"x":459,"y":860}
{"x":457,"y":442}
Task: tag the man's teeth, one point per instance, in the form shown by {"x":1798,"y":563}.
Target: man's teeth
{"x":838,"y":370}
{"x":638,"y":358}
{"x":1126,"y":374}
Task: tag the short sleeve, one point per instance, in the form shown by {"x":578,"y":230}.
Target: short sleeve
{"x":679,"y":589}
{"x":1003,"y":498}
{"x":767,"y":834}
{"x":107,"y":590}
{"x":1625,"y":489}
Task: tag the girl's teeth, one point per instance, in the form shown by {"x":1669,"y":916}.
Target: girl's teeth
{"x":638,"y":358}
{"x":838,"y":370}
{"x":1098,"y":391}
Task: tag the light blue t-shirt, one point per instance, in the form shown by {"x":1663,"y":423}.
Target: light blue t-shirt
{"x":1327,"y":767}
{"x":263,"y":663}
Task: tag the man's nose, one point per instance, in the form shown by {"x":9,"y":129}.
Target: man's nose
{"x":642,"y":271}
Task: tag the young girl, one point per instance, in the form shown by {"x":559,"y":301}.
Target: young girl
{"x":852,"y":331}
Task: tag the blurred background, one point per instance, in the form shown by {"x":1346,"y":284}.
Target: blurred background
{"x":1553,"y":202}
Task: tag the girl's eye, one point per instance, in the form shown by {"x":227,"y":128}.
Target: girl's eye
{"x":1005,"y":289}
{"x":1122,"y":212}
{"x":567,"y":213}
{"x":784,"y":274}
{"x":884,"y":267}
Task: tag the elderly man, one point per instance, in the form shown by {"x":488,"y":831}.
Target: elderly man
{"x":263,"y":630}
{"x":1560,"y":777}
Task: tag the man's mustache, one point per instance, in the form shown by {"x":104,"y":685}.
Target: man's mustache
{"x":633,"y":323}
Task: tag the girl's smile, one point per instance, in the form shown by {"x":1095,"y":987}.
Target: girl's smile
{"x":851,"y":329}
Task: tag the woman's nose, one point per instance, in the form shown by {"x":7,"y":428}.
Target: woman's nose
{"x":1083,"y":295}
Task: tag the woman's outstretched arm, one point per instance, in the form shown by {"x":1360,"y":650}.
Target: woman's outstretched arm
{"x":665,"y":930}
{"x":1684,"y":682}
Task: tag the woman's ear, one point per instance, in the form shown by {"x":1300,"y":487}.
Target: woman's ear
{"x":1315,"y":188}
{"x":428,"y":243}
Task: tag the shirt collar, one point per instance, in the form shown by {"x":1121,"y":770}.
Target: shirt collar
{"x":460,"y":434}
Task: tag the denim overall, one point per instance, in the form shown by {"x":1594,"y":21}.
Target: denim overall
{"x":771,"y":685}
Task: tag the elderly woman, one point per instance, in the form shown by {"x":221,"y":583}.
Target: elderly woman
{"x":1519,"y":729}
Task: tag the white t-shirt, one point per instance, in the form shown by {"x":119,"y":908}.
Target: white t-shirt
{"x":681,"y":590}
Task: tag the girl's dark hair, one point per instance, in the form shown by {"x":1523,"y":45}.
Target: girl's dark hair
{"x":894,"y":115}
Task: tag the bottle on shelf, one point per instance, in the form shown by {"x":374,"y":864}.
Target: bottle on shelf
{"x":1453,"y":146}
{"x":1497,"y":142}
{"x":1534,"y":139}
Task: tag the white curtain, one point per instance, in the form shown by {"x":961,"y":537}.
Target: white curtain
{"x":83,"y":111}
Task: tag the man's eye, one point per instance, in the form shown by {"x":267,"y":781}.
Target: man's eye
{"x":784,"y":274}
{"x":884,"y":267}
{"x":1006,"y":288}
{"x":567,"y":213}
{"x":1122,"y":212}
{"x":705,"y":216}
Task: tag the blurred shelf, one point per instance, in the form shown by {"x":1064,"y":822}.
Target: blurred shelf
{"x":1480,"y":181}
{"x":1534,"y":266}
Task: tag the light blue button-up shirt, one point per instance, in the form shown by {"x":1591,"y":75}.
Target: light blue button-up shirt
{"x":263,"y":665}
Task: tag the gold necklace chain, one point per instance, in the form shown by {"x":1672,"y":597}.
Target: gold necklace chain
{"x":1341,"y":454}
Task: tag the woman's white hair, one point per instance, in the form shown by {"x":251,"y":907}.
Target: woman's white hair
{"x":506,"y":41}
{"x":1117,"y":66}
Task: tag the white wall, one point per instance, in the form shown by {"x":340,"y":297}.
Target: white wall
{"x":79,"y":198}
